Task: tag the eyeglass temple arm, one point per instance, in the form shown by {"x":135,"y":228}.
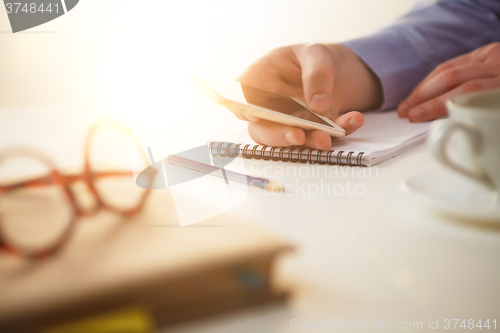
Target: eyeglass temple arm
{"x":37,"y":182}
{"x":112,"y":174}
{"x":63,"y":179}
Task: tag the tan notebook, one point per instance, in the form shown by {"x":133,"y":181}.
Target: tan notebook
{"x":148,"y":261}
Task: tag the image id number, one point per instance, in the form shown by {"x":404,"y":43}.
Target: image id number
{"x":469,"y":324}
{"x":32,"y":8}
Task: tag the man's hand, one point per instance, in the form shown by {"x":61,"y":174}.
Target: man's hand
{"x":330,"y":79}
{"x":477,"y":70}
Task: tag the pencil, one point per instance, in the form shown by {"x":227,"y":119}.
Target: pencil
{"x":226,"y":174}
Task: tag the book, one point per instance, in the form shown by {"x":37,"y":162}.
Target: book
{"x":145,"y":270}
{"x":383,"y":136}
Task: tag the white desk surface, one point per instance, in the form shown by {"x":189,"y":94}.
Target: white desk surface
{"x":377,"y":257}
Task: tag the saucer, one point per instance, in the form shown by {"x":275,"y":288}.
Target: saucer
{"x":451,"y":193}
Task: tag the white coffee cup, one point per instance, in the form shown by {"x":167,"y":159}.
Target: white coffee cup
{"x":470,"y":141}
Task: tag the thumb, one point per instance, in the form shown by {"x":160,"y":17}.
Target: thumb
{"x":317,"y":62}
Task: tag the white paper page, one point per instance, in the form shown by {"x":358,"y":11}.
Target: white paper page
{"x":381,"y":131}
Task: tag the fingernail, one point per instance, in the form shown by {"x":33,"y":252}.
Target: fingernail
{"x":403,"y":109}
{"x":354,"y":123}
{"x":416,"y":114}
{"x":290,"y":138}
{"x":320,"y":102}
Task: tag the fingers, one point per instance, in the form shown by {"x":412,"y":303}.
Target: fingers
{"x":318,"y":70}
{"x":350,"y":121}
{"x":405,"y":105}
{"x":465,"y":73}
{"x":461,"y":60}
{"x":245,"y":117}
{"x":445,"y":81}
{"x":275,"y":134}
{"x":436,"y":107}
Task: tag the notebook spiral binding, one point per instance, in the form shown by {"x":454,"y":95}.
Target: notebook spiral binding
{"x":286,"y":154}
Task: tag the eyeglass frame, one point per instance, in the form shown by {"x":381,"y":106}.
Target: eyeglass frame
{"x":56,"y":178}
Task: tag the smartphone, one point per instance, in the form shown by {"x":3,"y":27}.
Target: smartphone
{"x":321,"y":123}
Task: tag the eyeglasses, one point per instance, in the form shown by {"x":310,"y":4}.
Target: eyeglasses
{"x":38,"y":213}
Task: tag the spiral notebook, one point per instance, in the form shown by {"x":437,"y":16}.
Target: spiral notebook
{"x":383,"y":136}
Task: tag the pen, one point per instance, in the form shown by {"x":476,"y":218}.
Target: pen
{"x":226,"y":174}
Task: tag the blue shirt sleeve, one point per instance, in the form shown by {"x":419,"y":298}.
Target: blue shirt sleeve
{"x":434,"y":31}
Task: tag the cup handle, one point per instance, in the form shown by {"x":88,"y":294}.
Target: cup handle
{"x":438,"y":141}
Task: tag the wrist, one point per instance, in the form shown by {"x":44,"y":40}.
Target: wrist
{"x":360,"y":88}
